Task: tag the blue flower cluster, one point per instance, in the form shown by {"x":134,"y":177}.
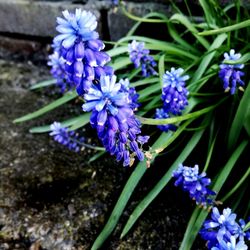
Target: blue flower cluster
{"x":223,"y":232}
{"x":194,"y":183}
{"x":174,"y":92}
{"x":162,"y":114}
{"x":65,"y":137}
{"x":141,"y":58}
{"x":174,"y":96}
{"x":57,"y":64}
{"x":79,"y":46}
{"x":132,"y":94}
{"x":231,"y":74}
{"x":114,"y":120}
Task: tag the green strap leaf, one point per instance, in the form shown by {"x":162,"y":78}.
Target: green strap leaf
{"x":140,"y":208}
{"x":130,"y":186}
{"x":176,"y":119}
{"x":44,"y":84}
{"x":208,"y":58}
{"x":235,"y":188}
{"x":184,"y":21}
{"x":189,"y":237}
{"x":239,"y":119}
{"x":233,"y":27}
{"x":66,"y":123}
{"x":66,"y":98}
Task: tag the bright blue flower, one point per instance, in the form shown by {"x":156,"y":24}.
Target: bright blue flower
{"x":69,"y":139}
{"x":57,"y":64}
{"x":194,"y":183}
{"x":141,"y":58}
{"x":114,"y":120}
{"x":162,"y":114}
{"x":73,"y":27}
{"x":230,"y":244}
{"x":222,"y":230}
{"x":132,"y":94}
{"x":80,"y":47}
{"x":174,"y":92}
{"x":231,"y":74}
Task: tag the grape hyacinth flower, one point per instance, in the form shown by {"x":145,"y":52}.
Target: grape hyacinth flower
{"x":57,"y":64}
{"x":194,"y":183}
{"x":114,"y":119}
{"x":174,"y":92}
{"x":230,"y":244}
{"x":231,"y":74}
{"x":222,"y":231}
{"x":65,"y":137}
{"x":162,"y":114}
{"x":80,"y":47}
{"x":132,"y":94}
{"x":141,"y":58}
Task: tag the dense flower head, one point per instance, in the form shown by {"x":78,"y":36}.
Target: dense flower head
{"x":174,"y":92}
{"x":162,"y":114}
{"x":114,"y":120}
{"x":141,"y":58}
{"x":231,"y":74}
{"x":231,"y":244}
{"x":222,"y":231}
{"x":79,"y":46}
{"x":132,"y":94}
{"x":70,"y":139}
{"x":194,"y":183}
{"x":57,"y":64}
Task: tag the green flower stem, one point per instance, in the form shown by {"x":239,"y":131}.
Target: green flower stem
{"x":233,"y":27}
{"x":172,"y":120}
{"x":239,"y":183}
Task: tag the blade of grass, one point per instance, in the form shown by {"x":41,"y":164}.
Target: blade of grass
{"x":185,"y":22}
{"x":176,"y":119}
{"x":82,"y":121}
{"x":161,"y":143}
{"x":230,"y":28}
{"x":66,"y":98}
{"x":66,"y":123}
{"x":140,"y":208}
{"x":189,"y":237}
{"x":127,"y":191}
{"x":239,"y":183}
{"x":239,"y":118}
{"x":43,"y":84}
{"x":208,"y":58}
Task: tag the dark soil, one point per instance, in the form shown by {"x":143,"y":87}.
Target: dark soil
{"x":51,"y":198}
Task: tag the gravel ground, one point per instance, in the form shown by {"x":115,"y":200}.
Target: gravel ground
{"x":51,"y":198}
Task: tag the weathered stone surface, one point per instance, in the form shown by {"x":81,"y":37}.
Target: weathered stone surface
{"x":119,"y":24}
{"x":16,"y":45}
{"x":34,"y":18}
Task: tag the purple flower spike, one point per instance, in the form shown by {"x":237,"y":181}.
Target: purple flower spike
{"x":141,"y":58}
{"x":162,"y":114}
{"x":231,"y":74}
{"x":113,"y":118}
{"x":69,"y":139}
{"x":194,"y":183}
{"x":223,"y":232}
{"x":174,"y":92}
{"x":79,"y":46}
